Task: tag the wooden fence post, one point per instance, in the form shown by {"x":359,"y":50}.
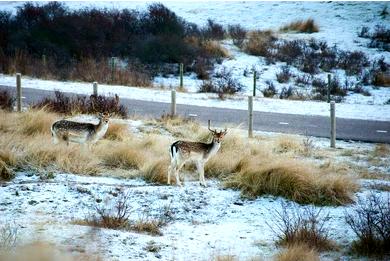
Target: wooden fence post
{"x":44,"y":60}
{"x":95,"y":89}
{"x":328,"y":91}
{"x":332,"y":124}
{"x":254,"y":83}
{"x":173,"y":103}
{"x":250,"y":116}
{"x":18,"y":92}
{"x":181,"y":76}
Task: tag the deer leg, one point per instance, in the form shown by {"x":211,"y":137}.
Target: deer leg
{"x":200,"y":168}
{"x":171,"y":168}
{"x":178,"y":168}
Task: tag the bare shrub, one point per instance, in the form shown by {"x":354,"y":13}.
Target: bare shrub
{"x":353,"y":62}
{"x":113,"y":217}
{"x":213,"y":30}
{"x":270,"y":91}
{"x":81,"y":104}
{"x":299,"y":252}
{"x":6,"y":101}
{"x":8,"y":236}
{"x":291,"y":52}
{"x":287,"y":93}
{"x":380,"y":38}
{"x":370,"y":222}
{"x":223,"y":84}
{"x":303,"y":79}
{"x":202,"y":68}
{"x":284,"y":74}
{"x":302,"y":226}
{"x":302,"y":26}
{"x":237,"y":33}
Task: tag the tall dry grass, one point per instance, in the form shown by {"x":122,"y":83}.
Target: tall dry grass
{"x":299,"y":252}
{"x":302,"y":26}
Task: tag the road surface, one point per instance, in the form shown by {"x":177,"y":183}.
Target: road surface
{"x":319,"y":126}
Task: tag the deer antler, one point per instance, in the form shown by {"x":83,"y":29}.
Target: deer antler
{"x":213,"y":131}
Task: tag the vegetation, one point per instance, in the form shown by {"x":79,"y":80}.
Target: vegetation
{"x":302,"y":26}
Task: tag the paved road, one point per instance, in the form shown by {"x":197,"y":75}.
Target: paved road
{"x":346,"y":129}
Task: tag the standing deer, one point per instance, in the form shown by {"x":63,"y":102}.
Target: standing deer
{"x":80,"y":132}
{"x":184,"y":151}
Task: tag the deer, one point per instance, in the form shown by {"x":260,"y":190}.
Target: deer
{"x":199,"y":152}
{"x":80,"y":132}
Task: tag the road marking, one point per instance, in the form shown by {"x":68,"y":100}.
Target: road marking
{"x":381,"y":131}
{"x":283,"y":123}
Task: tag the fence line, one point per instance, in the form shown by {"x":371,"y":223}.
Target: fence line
{"x":19,"y":92}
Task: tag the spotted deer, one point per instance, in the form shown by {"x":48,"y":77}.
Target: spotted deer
{"x":199,"y":152}
{"x":80,"y":132}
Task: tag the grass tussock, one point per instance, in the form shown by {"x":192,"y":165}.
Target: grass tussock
{"x":5,"y":172}
{"x":381,"y":150}
{"x":285,"y":144}
{"x":41,"y":251}
{"x":260,"y":43}
{"x":382,"y":79}
{"x":117,"y":132}
{"x":122,"y":155}
{"x":156,"y":171}
{"x":298,"y":252}
{"x":295,"y":180}
{"x":36,"y":122}
{"x":214,"y":49}
{"x":302,"y":26}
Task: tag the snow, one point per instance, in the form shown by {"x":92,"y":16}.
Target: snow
{"x":343,"y":110}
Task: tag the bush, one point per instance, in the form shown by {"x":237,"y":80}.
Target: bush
{"x":303,"y":79}
{"x":223,"y":84}
{"x":237,"y":33}
{"x":270,"y":91}
{"x":287,"y":92}
{"x":299,"y":252}
{"x":353,"y":62}
{"x":81,"y":104}
{"x":291,"y":51}
{"x":284,"y":75}
{"x":305,"y":226}
{"x":213,"y":30}
{"x":6,"y":101}
{"x":301,"y":26}
{"x":370,"y":222}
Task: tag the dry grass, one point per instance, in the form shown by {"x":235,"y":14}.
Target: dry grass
{"x":299,"y":252}
{"x":5,"y":172}
{"x":302,"y":26}
{"x":122,"y":155}
{"x":156,"y":171}
{"x":117,"y":132}
{"x":382,"y":79}
{"x":287,"y":143}
{"x":295,"y":180}
{"x":35,"y":122}
{"x":259,"y":43}
{"x":214,"y":49}
{"x":41,"y":251}
{"x":381,"y":150}
{"x":151,"y":227}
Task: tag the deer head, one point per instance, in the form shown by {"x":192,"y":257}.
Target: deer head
{"x":217,"y":135}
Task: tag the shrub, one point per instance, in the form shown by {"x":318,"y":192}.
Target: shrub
{"x":284,"y":75}
{"x":5,"y":172}
{"x":287,"y":93}
{"x":303,"y":79}
{"x":213,"y":30}
{"x":6,"y":101}
{"x":81,"y":104}
{"x":380,"y":38}
{"x":8,"y":236}
{"x":301,"y":26}
{"x":238,"y":34}
{"x":353,"y":62}
{"x":270,"y":91}
{"x":381,"y":79}
{"x":291,"y":52}
{"x":364,"y":32}
{"x":370,"y":222}
{"x":223,"y":84}
{"x":302,"y":226}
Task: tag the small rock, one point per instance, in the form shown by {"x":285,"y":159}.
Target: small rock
{"x":33,"y":202}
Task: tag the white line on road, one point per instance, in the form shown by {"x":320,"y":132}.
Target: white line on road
{"x":381,"y":131}
{"x":283,"y":123}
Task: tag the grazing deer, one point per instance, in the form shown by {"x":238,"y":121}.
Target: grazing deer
{"x":80,"y":132}
{"x":184,"y":151}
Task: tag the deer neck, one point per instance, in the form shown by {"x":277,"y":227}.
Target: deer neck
{"x":214,"y":147}
{"x":101,"y":128}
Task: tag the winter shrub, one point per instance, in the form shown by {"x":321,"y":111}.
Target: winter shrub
{"x":270,"y":91}
{"x":370,"y":221}
{"x":237,"y":33}
{"x":286,"y":93}
{"x":284,"y":75}
{"x":213,"y":30}
{"x":353,"y":62}
{"x":224,"y":83}
{"x":303,"y":79}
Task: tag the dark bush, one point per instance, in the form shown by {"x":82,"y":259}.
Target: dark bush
{"x":81,"y":104}
{"x":353,"y":62}
{"x":213,"y":30}
{"x":237,"y":33}
{"x":370,"y":222}
{"x":290,"y":51}
{"x":284,"y":74}
{"x":320,"y":87}
{"x":364,"y":32}
{"x":6,"y":101}
{"x":287,"y":93}
{"x":223,"y":84}
{"x":380,"y":37}
{"x":303,"y":79}
{"x":302,"y":226}
{"x":358,"y":88}
{"x":270,"y":90}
